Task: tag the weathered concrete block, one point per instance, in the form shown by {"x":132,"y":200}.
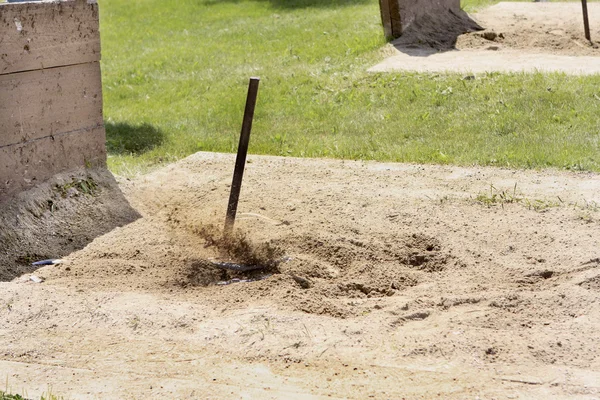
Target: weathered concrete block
{"x":42,"y":103}
{"x":44,"y":35}
{"x":26,"y":165}
{"x":52,"y":135}
{"x":50,"y":92}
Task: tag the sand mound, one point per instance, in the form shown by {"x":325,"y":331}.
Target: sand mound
{"x":58,"y":217}
{"x":437,"y":31}
{"x":311,"y":273}
{"x":550,"y":28}
{"x":325,"y":271}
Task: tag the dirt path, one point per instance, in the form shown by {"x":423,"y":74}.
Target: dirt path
{"x":518,"y":37}
{"x":400,"y":284}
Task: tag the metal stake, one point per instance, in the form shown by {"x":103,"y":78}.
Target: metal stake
{"x":586,"y":22}
{"x":240,"y":161}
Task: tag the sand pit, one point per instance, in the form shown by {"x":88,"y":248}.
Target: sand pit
{"x":518,"y":37}
{"x":383,"y":281}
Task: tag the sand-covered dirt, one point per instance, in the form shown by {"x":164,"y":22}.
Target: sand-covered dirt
{"x":59,"y":216}
{"x":381,"y":281}
{"x":517,"y":37}
{"x":544,"y":27}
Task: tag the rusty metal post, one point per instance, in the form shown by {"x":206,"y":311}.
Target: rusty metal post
{"x":240,"y":161}
{"x":586,"y":22}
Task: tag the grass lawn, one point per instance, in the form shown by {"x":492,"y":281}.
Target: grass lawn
{"x":175,"y":77}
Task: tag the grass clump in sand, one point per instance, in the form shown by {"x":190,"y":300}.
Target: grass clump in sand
{"x":8,"y":396}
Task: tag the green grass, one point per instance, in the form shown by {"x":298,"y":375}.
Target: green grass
{"x":496,"y":196}
{"x":7,"y":396}
{"x":175,"y":77}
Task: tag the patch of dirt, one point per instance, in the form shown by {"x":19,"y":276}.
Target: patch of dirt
{"x":58,"y":217}
{"x":592,"y":283}
{"x":553,"y":28}
{"x":518,"y":37}
{"x":437,"y":30}
{"x":374,"y":281}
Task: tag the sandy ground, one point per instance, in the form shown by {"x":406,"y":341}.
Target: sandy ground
{"x":399,"y":284}
{"x":59,"y":216}
{"x":545,"y":37}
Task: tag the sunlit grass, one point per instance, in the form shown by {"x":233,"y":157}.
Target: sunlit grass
{"x":8,"y":396}
{"x":180,"y":70}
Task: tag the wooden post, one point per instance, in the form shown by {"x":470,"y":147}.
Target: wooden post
{"x":390,"y":18}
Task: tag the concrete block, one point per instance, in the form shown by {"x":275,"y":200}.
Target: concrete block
{"x":48,"y":102}
{"x":44,"y":35}
{"x":50,"y":92}
{"x":23,"y":166}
